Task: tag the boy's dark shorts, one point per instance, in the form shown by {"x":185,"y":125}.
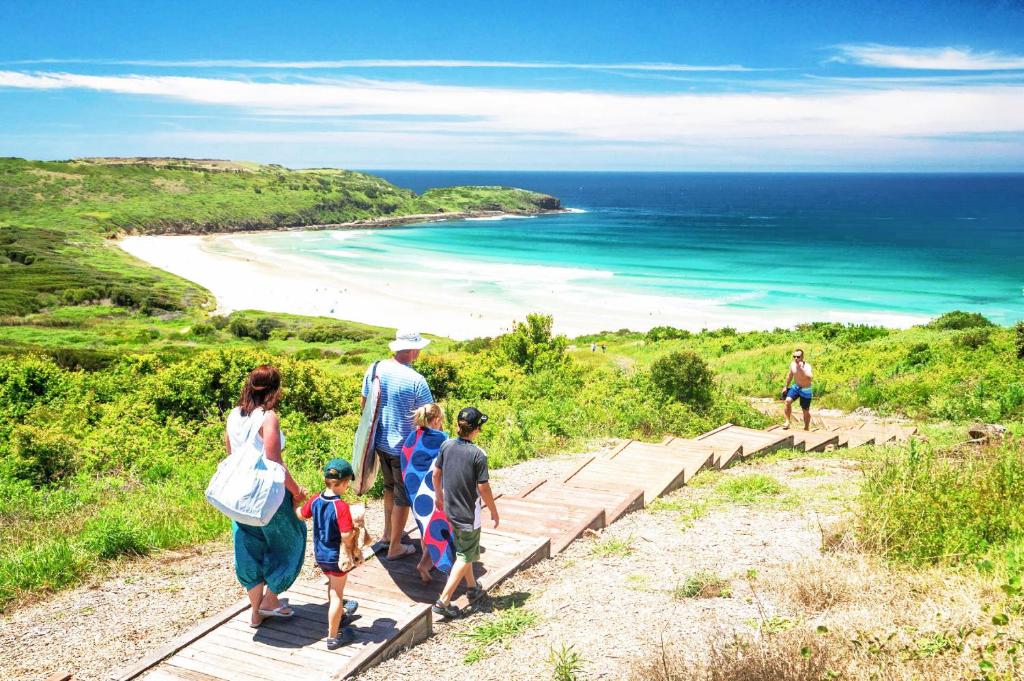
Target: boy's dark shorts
{"x":391,"y":467}
{"x":331,"y":569}
{"x":467,"y":544}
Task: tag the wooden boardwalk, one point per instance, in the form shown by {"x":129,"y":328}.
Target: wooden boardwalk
{"x":539,"y":521}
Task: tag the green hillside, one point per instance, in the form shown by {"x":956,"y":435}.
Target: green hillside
{"x":56,"y":219}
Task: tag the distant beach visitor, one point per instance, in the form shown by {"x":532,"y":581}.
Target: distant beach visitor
{"x":268,"y":558}
{"x":460,"y":482}
{"x":798,"y":385}
{"x":403,"y":391}
{"x":334,"y":546}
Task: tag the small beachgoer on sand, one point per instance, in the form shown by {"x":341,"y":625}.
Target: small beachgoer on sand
{"x":402,"y":391}
{"x":798,"y":384}
{"x":429,"y":421}
{"x":268,"y":558}
{"x":334,"y":545}
{"x":460,"y":482}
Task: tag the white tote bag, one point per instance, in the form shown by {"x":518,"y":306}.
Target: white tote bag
{"x":248,"y":487}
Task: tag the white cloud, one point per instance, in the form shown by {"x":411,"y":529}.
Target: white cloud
{"x":607,"y":117}
{"x":931,"y":58}
{"x":395,"y":64}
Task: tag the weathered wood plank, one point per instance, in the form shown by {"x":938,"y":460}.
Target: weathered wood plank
{"x":179,"y":642}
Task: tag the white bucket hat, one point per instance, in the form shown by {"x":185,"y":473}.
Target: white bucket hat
{"x":408,"y":340}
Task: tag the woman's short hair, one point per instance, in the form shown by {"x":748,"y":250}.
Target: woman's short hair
{"x":427,"y":413}
{"x":262,"y":389}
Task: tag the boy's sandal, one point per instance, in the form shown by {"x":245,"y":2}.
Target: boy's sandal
{"x":475,"y":593}
{"x":449,"y":612}
{"x":344,"y":637}
{"x":407,"y":550}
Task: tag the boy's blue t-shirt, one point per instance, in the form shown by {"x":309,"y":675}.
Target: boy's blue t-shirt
{"x":332,"y":517}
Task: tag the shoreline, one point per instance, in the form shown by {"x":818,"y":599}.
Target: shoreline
{"x":460,"y":298}
{"x":369,"y":223}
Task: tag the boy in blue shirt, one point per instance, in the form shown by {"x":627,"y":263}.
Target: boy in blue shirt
{"x":333,"y":533}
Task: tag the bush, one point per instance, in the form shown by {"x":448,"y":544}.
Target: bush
{"x":259,"y":329}
{"x":332,"y":333}
{"x":960,"y":320}
{"x":972,"y":339}
{"x":531,"y":345}
{"x":39,"y":456}
{"x":442,"y":376}
{"x":1019,"y":339}
{"x":685,"y":377}
{"x":660,"y":333}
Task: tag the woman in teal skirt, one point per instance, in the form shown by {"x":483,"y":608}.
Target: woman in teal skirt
{"x":267,"y":559}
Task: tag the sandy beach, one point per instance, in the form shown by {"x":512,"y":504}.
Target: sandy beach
{"x":458,"y":299}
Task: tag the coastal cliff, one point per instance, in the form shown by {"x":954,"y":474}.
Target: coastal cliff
{"x":57,"y":218}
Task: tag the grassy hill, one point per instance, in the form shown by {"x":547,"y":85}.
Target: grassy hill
{"x":56,"y":219}
{"x":112,"y":412}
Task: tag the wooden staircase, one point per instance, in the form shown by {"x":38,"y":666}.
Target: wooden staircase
{"x":539,"y":521}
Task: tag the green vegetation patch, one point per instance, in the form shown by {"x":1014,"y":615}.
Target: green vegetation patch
{"x":497,"y":631}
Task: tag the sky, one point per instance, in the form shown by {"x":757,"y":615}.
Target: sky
{"x":592,"y":85}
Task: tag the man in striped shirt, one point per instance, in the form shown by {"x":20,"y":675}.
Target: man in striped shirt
{"x":402,"y":392}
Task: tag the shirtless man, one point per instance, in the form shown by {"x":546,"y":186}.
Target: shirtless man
{"x":798,"y":384}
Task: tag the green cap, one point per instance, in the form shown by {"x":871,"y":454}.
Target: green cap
{"x":338,"y":469}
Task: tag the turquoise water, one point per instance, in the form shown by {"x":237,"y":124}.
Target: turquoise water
{"x":763,"y":248}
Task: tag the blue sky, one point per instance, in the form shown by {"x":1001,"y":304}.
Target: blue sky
{"x":526,"y":85}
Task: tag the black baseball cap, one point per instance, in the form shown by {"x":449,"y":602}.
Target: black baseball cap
{"x":473,"y":417}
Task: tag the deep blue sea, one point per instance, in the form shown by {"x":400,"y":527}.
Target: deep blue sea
{"x":747,"y":250}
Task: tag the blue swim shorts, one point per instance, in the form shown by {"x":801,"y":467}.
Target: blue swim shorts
{"x":803,"y":393}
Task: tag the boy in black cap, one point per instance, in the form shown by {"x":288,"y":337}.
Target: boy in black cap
{"x":333,"y":532}
{"x":460,"y":481}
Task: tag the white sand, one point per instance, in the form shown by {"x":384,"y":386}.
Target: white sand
{"x":243,"y":274}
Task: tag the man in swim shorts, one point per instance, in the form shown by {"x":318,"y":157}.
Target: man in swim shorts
{"x":798,"y":385}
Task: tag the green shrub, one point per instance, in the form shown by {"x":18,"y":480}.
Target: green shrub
{"x":660,"y":333}
{"x":333,"y":333}
{"x":685,"y":377}
{"x":442,"y":375}
{"x":972,"y":339}
{"x":532,"y":346}
{"x":40,"y":456}
{"x":1018,"y":339}
{"x":960,"y":320}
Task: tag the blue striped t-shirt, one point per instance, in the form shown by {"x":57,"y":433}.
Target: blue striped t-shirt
{"x":402,"y":391}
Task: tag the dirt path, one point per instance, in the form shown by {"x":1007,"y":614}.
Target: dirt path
{"x":624,"y":591}
{"x":605,"y":597}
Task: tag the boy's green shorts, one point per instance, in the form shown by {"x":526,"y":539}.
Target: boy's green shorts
{"x":467,"y":544}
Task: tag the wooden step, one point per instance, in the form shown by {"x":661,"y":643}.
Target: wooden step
{"x":723,"y":453}
{"x":615,"y":500}
{"x":854,"y":437}
{"x":754,"y":442}
{"x":691,"y":456}
{"x":654,"y":480}
{"x":811,"y":440}
{"x":394,"y":614}
{"x":562,"y":522}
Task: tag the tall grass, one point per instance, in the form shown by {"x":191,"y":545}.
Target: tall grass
{"x":923,"y":505}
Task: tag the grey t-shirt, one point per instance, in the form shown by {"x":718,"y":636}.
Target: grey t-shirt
{"x":463,"y":466}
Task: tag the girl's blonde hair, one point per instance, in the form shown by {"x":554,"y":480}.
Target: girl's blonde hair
{"x":427,"y":413}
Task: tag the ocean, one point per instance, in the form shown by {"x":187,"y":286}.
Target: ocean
{"x":710,"y":249}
